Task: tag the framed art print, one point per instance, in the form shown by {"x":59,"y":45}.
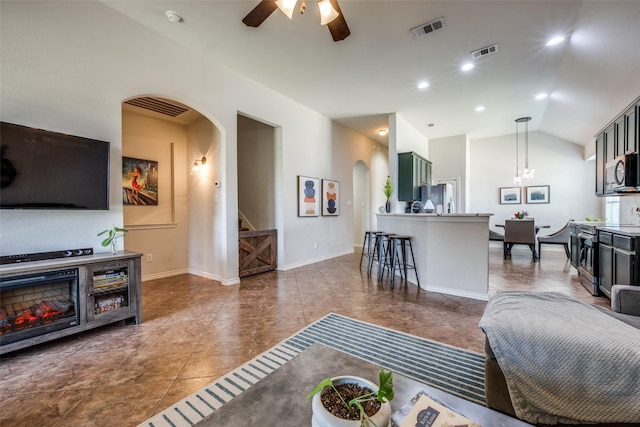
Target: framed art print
{"x":538,"y":194}
{"x":308,"y":196}
{"x":510,"y":195}
{"x":139,"y":182}
{"x":330,"y":197}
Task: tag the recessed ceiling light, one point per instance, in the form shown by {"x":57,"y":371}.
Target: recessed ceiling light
{"x":423,"y":85}
{"x":555,"y":40}
{"x":479,"y":108}
{"x":541,"y":96}
{"x":382,"y":132}
{"x":467,"y":67}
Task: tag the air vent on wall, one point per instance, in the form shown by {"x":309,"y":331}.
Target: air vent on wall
{"x":158,"y":106}
{"x":427,"y":28}
{"x":484,"y":51}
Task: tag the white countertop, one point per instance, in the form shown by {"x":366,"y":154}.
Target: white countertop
{"x":434,"y":215}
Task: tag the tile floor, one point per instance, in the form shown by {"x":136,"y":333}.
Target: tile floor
{"x":195,"y":330}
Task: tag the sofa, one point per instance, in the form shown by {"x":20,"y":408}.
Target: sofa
{"x":625,"y":308}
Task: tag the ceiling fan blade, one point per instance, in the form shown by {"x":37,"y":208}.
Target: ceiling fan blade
{"x":260,"y":13}
{"x":338,"y":27}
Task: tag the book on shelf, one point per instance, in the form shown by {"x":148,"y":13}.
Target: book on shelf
{"x":425,"y":411}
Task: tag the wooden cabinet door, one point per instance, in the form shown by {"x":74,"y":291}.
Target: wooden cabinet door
{"x":623,"y":265}
{"x":632,"y":132}
{"x":605,"y":268}
{"x":619,"y":136}
{"x":609,"y":144}
{"x":600,"y":164}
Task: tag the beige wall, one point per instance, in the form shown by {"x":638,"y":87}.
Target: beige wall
{"x":160,"y":231}
{"x":256,"y":173}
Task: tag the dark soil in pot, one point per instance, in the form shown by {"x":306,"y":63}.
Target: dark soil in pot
{"x":331,"y":401}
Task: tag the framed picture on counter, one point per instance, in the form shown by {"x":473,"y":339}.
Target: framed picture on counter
{"x":538,"y":194}
{"x":510,"y":196}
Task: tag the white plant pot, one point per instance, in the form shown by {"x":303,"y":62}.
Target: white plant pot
{"x":323,"y":418}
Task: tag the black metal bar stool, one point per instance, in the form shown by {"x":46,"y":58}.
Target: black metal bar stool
{"x":398,"y":247}
{"x":368,"y":249}
{"x":382,"y":240}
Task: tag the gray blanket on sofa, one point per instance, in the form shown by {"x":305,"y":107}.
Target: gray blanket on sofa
{"x":564,"y":361}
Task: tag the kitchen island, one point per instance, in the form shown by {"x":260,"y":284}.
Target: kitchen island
{"x":451,"y":250}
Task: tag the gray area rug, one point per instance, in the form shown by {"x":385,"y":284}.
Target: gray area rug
{"x":447,"y":368}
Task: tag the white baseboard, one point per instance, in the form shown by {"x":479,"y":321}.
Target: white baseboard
{"x":314,"y":260}
{"x":164,"y":274}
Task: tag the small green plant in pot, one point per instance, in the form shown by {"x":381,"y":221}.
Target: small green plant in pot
{"x":346,"y":401}
{"x":112,"y":236}
{"x":388,"y":189}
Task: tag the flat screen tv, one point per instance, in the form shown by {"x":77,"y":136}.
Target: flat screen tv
{"x":48,"y":170}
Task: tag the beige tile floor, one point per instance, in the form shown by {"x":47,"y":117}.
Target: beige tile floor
{"x":195,"y":330}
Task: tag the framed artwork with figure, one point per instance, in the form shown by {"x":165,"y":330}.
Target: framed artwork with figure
{"x":139,"y":182}
{"x":330,"y":197}
{"x":308,"y":196}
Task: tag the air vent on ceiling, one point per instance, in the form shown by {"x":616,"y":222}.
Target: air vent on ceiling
{"x":158,"y":106}
{"x":484,"y":51}
{"x":427,"y":28}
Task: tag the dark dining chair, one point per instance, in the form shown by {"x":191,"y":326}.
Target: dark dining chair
{"x":493,"y":235}
{"x":519,"y":232}
{"x":560,"y":237}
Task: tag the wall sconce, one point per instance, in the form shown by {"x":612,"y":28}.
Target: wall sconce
{"x":383,"y":132}
{"x":198,"y":163}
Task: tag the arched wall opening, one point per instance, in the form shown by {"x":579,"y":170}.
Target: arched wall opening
{"x":180,"y":231}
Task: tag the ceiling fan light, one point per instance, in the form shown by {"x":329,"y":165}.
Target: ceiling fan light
{"x":327,"y":12}
{"x":287,"y":6}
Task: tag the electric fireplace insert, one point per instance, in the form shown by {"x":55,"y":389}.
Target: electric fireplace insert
{"x":36,"y":304}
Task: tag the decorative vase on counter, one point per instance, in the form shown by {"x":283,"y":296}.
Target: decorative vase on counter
{"x":387,"y":206}
{"x":428,"y":206}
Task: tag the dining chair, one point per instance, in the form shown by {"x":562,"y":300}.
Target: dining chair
{"x":493,"y":235}
{"x":560,"y":237}
{"x":519,"y":232}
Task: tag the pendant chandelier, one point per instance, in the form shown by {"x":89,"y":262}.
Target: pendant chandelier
{"x":527,"y":173}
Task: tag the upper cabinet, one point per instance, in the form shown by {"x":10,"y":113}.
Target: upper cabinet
{"x":621,"y":136}
{"x":413,"y":171}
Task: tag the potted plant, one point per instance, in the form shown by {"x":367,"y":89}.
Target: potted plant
{"x":521,"y":215}
{"x":348,"y":401}
{"x":112,"y":237}
{"x":387,"y":192}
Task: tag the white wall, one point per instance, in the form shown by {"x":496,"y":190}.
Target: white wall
{"x":402,"y":138}
{"x":557,"y":163}
{"x":449,"y":160}
{"x":67,"y":67}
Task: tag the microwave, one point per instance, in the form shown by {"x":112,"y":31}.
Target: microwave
{"x":621,"y":174}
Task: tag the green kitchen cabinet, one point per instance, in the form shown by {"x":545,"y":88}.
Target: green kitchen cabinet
{"x":413,"y":171}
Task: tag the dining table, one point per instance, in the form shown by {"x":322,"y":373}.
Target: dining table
{"x":538,"y":227}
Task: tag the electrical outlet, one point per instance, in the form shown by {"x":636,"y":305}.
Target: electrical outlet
{"x":149,"y":257}
{"x":315,"y":245}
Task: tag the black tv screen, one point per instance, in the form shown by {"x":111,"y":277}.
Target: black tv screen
{"x":48,"y":170}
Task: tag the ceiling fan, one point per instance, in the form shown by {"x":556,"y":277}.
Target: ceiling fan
{"x":330,"y":14}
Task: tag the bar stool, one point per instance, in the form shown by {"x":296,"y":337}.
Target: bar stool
{"x":399,"y":258}
{"x":381,"y":245}
{"x":367,"y":245}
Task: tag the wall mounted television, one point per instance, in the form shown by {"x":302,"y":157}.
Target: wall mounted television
{"x":48,"y":170}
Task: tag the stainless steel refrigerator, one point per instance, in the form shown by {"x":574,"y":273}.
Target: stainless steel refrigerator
{"x":440,"y":195}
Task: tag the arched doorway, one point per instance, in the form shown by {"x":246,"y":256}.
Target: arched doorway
{"x":361,"y":201}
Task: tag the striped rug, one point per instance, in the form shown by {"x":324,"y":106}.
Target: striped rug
{"x":447,"y":368}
